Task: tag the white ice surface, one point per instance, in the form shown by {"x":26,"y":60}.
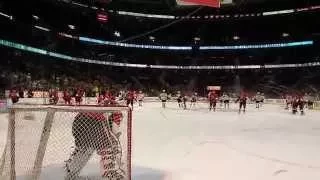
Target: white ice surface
{"x":175,"y":144}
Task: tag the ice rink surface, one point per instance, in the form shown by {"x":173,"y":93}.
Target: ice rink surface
{"x":175,"y":144}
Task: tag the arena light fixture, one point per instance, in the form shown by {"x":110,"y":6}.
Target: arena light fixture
{"x":71,"y":26}
{"x":159,"y":16}
{"x":152,"y":38}
{"x":42,"y":28}
{"x":285,"y":35}
{"x":117,"y":33}
{"x":67,"y":35}
{"x":6,"y":15}
{"x":236,"y":37}
{"x":196,"y":39}
{"x":79,"y":4}
{"x":269,"y":13}
{"x":35,"y":17}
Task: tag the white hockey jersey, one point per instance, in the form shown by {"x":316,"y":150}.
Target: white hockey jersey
{"x":163,"y":96}
{"x":259,"y":97}
{"x":194,"y":97}
{"x":140,"y":96}
{"x":225,"y":97}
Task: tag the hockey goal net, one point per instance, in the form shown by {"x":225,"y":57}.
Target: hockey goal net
{"x":67,"y":142}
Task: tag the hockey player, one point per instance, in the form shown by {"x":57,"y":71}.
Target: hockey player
{"x":184,"y":100}
{"x":242,"y":99}
{"x":220,"y":101}
{"x":309,"y":101}
{"x":53,"y":97}
{"x":21,"y":93}
{"x":259,"y":99}
{"x":163,"y":97}
{"x":212,"y":96}
{"x":297,"y":103}
{"x":96,"y":132}
{"x":140,"y":97}
{"x":288,"y":101}
{"x":100,"y":99}
{"x":78,"y":96}
{"x":194,"y":98}
{"x":262,"y":99}
{"x":135,"y":95}
{"x":14,"y":96}
{"x":179,"y":99}
{"x":121,"y":95}
{"x":30,"y":93}
{"x":108,"y":98}
{"x":67,"y":97}
{"x":226,"y":100}
{"x":130,"y":98}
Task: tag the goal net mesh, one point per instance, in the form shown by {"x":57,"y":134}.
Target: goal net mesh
{"x":67,"y":143}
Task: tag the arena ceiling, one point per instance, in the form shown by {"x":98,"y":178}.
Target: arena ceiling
{"x":57,"y":15}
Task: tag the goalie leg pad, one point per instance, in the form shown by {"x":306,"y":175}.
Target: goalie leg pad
{"x":76,"y":162}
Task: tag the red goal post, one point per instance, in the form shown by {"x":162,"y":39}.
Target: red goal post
{"x":40,"y":139}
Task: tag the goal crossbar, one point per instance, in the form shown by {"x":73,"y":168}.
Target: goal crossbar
{"x":69,"y":108}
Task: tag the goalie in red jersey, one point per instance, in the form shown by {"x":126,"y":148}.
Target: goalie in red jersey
{"x":212,"y":96}
{"x":96,"y":131}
